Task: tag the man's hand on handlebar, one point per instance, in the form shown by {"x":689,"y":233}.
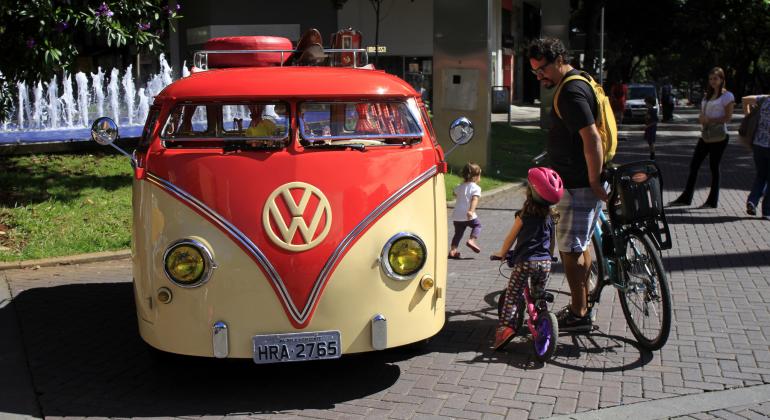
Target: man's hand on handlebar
{"x":599,"y":191}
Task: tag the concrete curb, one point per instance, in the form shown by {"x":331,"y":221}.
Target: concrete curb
{"x":679,"y":406}
{"x":68,"y":260}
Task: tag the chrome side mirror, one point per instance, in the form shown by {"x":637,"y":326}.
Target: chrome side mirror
{"x":104,"y":131}
{"x":461,"y":132}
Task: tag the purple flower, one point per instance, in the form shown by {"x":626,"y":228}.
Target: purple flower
{"x":62,"y":26}
{"x":30,"y":42}
{"x":104,"y":10}
{"x":144,"y":26}
{"x":172,"y":9}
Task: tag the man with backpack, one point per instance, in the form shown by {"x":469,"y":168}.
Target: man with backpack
{"x":581,"y":138}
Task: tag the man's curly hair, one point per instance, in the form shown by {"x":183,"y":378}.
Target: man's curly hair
{"x":548,"y":48}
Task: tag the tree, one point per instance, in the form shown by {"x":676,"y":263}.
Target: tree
{"x":40,"y":38}
{"x":680,"y":40}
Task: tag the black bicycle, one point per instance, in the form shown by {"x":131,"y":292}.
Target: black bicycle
{"x":626,"y":247}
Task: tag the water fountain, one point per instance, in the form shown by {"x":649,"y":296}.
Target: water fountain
{"x":42,"y":115}
{"x":130,"y":93}
{"x":53,"y":103}
{"x":68,"y":100}
{"x":83,"y":99}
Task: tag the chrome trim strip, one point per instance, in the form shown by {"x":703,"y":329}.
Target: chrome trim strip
{"x":232,"y":230}
{"x":299,"y":316}
{"x":219,"y":340}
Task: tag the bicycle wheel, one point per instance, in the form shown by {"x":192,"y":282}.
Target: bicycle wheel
{"x":547,"y":328}
{"x":646,"y":300}
{"x":519,"y":321}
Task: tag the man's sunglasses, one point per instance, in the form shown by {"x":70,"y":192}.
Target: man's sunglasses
{"x":540,"y":71}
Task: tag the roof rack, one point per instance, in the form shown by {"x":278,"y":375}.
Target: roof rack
{"x":201,"y":58}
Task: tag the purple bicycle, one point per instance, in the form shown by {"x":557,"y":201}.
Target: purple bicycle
{"x":542,"y":324}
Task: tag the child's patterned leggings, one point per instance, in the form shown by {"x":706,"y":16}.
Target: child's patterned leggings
{"x":537,"y":272}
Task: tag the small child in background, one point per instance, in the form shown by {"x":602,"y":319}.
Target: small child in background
{"x":650,"y":124}
{"x":532,"y":231}
{"x":464,"y":214}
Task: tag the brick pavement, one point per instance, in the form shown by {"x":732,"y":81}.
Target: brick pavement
{"x":86,"y":359}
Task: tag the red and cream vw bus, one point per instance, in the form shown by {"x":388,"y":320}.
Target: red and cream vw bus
{"x":286,"y":213}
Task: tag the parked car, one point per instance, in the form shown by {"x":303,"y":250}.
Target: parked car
{"x":635,"y":106}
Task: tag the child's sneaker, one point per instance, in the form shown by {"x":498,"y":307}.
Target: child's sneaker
{"x":503,"y":336}
{"x":569,"y":322}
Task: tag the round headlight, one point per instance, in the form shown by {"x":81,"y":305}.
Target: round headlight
{"x":188,"y":263}
{"x":403,"y":256}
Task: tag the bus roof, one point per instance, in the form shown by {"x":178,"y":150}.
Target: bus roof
{"x":281,"y":82}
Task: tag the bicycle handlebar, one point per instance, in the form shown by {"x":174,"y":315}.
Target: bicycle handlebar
{"x":495,"y":258}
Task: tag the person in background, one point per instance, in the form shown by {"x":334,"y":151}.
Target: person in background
{"x":761,"y":149}
{"x":716,"y":108}
{"x":650,"y":124}
{"x":667,"y":98}
{"x":618,"y":96}
{"x":464,"y":214}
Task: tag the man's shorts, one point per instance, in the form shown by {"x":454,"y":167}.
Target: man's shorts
{"x":578,"y":211}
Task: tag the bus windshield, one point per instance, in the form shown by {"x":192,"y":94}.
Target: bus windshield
{"x":364,"y":122}
{"x":241,"y":121}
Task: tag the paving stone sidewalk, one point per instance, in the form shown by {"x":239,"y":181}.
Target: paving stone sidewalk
{"x":85,"y":358}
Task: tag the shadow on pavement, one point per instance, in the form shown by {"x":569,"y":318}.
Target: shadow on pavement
{"x":473,"y":331}
{"x":87,"y":359}
{"x":735,"y":260}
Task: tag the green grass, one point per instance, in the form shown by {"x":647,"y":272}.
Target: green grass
{"x":55,"y":205}
{"x":512,"y":150}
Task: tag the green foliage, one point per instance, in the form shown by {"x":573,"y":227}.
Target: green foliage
{"x":55,"y":205}
{"x":41,"y":37}
{"x":682,"y":39}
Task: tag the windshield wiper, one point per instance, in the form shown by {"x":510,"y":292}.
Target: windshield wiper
{"x":332,"y":146}
{"x":236,"y":145}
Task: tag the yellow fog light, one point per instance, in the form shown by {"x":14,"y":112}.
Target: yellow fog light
{"x":403,"y":256}
{"x":426,"y":282}
{"x":188,"y":263}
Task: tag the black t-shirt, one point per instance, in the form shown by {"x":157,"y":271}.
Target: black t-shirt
{"x":577,"y":106}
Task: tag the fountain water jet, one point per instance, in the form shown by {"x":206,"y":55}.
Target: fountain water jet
{"x":130,"y":93}
{"x":97,"y":80}
{"x":83,"y":99}
{"x":113,"y":95}
{"x":53,"y":104}
{"x":69,"y":101}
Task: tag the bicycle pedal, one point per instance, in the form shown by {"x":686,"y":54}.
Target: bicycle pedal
{"x":548,"y":297}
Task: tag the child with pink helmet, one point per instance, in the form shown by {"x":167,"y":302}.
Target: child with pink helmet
{"x":532,"y":231}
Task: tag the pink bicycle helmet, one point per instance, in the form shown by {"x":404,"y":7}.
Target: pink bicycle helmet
{"x":546,"y":184}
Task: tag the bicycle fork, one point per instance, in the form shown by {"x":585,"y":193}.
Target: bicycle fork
{"x":533,"y":305}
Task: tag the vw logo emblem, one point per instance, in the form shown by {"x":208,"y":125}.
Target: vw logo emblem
{"x":282,"y":226}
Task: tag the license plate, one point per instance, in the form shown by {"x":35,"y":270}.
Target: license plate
{"x":295,"y":347}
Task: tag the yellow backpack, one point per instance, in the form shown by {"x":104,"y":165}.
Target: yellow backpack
{"x":605,"y":121}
